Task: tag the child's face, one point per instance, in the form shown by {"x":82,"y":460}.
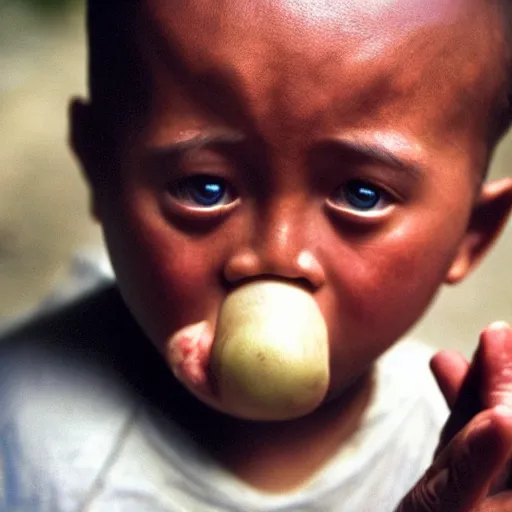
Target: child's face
{"x":338,"y":143}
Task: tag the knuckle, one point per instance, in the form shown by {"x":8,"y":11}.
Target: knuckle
{"x":426,"y":497}
{"x":444,"y":490}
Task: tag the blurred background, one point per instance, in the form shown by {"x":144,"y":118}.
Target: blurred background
{"x":44,"y":217}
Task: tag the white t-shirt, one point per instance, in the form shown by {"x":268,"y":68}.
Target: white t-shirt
{"x":80,"y":431}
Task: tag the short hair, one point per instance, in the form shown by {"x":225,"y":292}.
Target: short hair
{"x":117,"y":82}
{"x":116,"y":79}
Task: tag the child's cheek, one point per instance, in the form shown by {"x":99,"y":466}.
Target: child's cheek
{"x":167,"y":280}
{"x":379,"y":291}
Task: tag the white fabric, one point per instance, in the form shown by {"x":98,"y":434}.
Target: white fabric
{"x":74,"y":439}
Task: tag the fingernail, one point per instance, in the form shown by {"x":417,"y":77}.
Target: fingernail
{"x":497,"y":341}
{"x":437,"y":484}
{"x":504,"y":411}
{"x":499,"y":326}
{"x":500,"y":332}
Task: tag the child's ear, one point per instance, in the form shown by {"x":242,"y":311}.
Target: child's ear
{"x":489,"y":216}
{"x":81,"y":140}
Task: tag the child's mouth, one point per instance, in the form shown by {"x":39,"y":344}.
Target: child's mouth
{"x":268,"y":359}
{"x":188,"y":353}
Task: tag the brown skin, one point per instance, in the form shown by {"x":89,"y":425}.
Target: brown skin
{"x":468,"y":475}
{"x":305,"y":97}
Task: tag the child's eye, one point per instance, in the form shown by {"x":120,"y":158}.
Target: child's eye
{"x":361,"y":196}
{"x":203,"y":191}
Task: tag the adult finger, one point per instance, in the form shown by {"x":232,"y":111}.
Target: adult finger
{"x":459,"y":479}
{"x":450,"y":369}
{"x":467,"y":404}
{"x":488,"y":381}
{"x":496,"y":353}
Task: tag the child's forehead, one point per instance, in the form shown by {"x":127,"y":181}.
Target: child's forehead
{"x":293,"y":61}
{"x":313,"y":24}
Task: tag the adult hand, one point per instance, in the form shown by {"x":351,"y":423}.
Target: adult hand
{"x":486,"y":383}
{"x":470,"y":470}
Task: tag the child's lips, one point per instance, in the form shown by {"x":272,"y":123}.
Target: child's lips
{"x":188,"y":354}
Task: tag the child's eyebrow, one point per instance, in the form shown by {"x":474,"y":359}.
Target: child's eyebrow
{"x":376,"y":152}
{"x":195,"y":142}
{"x":372,"y":151}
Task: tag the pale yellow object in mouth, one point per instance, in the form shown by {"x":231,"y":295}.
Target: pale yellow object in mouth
{"x":270,"y":357}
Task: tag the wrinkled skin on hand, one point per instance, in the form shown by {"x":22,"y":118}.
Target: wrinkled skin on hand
{"x":471,"y":470}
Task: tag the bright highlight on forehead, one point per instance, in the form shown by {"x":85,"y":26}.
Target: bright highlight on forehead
{"x":368,"y":27}
{"x":349,"y":12}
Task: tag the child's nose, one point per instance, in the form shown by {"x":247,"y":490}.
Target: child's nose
{"x":280,"y":246}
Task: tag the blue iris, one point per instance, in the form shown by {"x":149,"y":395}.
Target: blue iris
{"x":362,"y":196}
{"x":205,"y":190}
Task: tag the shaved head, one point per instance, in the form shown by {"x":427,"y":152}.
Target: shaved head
{"x":272,"y":33}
